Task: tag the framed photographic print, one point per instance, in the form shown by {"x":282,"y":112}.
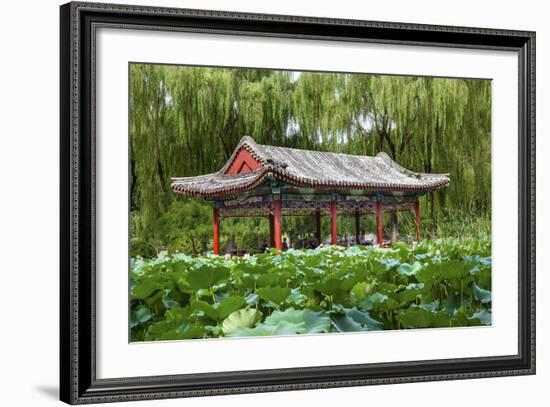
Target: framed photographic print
{"x":256,"y":203}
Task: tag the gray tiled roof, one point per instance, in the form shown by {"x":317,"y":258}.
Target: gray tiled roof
{"x":311,"y":169}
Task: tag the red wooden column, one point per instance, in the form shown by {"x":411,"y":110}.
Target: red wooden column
{"x":379,"y":232}
{"x":333,"y":229}
{"x":357,"y":226}
{"x":277,"y":224}
{"x":417,"y":219}
{"x":318,"y":224}
{"x":216,"y":231}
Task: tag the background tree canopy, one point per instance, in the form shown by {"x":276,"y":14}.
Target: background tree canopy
{"x":186,"y":121}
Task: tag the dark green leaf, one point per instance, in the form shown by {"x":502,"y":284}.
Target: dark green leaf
{"x":139,"y":315}
{"x":416,"y":318}
{"x":483,"y":316}
{"x":409,"y":269}
{"x":276,"y":295}
{"x":481,"y":295}
{"x":206,"y":276}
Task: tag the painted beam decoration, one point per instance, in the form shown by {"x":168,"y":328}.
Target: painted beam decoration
{"x":263,"y":180}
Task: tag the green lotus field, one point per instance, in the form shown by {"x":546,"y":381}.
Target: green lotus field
{"x":434,"y":284}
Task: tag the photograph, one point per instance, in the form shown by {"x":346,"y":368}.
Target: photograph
{"x":269,"y":199}
{"x":270,"y":202}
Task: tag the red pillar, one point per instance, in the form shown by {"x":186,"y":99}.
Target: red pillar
{"x":277,"y":224}
{"x":333,"y":229}
{"x":417,"y":219}
{"x":357,"y":226}
{"x":216,"y":230}
{"x":318,"y":224}
{"x":379,"y":232}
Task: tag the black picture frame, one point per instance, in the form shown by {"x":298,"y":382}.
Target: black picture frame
{"x":78,"y":382}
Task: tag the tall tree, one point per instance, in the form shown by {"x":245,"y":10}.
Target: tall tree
{"x":187,"y":120}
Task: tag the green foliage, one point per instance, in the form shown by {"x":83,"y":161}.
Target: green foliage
{"x":289,"y":322}
{"x":206,"y":275}
{"x":353,"y":320}
{"x":186,"y":121}
{"x":140,"y":314}
{"x":142,"y":248}
{"x":277,"y":295}
{"x":443,"y":283}
{"x":218,"y":311}
{"x":185,"y":226}
{"x":243,"y":318}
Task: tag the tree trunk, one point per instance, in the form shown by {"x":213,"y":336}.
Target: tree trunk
{"x":133,"y":182}
{"x":193,"y":245}
{"x":394,"y":228}
{"x":163,"y":184}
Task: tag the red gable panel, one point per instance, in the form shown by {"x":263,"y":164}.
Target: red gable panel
{"x":243,"y":162}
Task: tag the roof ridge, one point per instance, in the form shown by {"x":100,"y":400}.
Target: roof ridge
{"x":253,"y":143}
{"x":261,"y":153}
{"x":258,"y":148}
{"x":318,"y":151}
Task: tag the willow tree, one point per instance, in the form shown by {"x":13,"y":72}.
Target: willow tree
{"x":427,"y":124}
{"x":187,"y":120}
